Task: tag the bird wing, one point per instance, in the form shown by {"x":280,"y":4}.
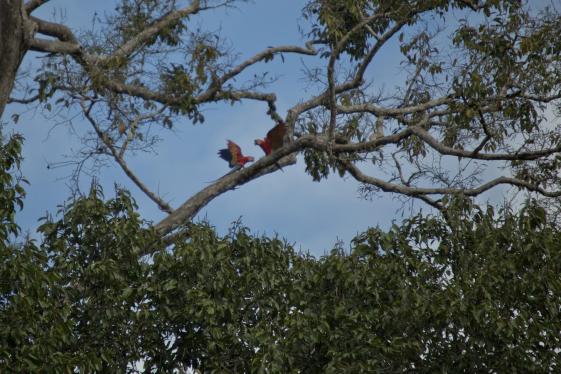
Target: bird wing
{"x":225,"y":154}
{"x":275,"y":136}
{"x":236,"y":153}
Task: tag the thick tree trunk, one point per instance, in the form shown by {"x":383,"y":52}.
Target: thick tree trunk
{"x":12,"y":46}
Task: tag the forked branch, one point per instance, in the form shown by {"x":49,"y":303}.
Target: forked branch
{"x":119,"y":159}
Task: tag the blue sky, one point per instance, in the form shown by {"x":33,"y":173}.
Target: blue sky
{"x":309,"y":214}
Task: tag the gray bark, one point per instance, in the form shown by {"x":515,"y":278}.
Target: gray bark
{"x":12,"y":46}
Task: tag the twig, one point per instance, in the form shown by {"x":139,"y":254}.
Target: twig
{"x":121,"y":162}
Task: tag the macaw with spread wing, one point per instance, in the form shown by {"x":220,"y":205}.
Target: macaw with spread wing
{"x":233,"y":154}
{"x":274,"y":139}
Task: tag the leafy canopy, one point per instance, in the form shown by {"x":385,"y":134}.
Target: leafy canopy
{"x":476,"y":291}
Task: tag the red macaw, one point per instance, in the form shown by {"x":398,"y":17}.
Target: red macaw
{"x":274,"y":139}
{"x":233,"y":154}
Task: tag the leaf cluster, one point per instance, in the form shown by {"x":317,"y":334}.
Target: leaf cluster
{"x":133,"y":16}
{"x":12,"y":192}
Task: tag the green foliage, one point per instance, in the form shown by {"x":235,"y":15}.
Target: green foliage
{"x":136,"y":15}
{"x":11,"y":189}
{"x":499,"y":52}
{"x":316,"y":164}
{"x":477,"y":291}
{"x":473,"y":290}
{"x":511,"y":51}
{"x":65,"y":303}
{"x":184,"y":82}
{"x":319,"y":163}
{"x":332,"y":20}
{"x":220,"y":301}
{"x":178,"y":83}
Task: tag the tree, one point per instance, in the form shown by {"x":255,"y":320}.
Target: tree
{"x":476,"y":291}
{"x":486,"y":102}
{"x":472,"y":289}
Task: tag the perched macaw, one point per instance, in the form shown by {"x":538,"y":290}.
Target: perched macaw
{"x":233,"y":154}
{"x":274,"y":139}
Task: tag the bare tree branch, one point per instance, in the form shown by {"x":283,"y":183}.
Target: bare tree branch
{"x":53,"y":46}
{"x":214,"y":91}
{"x":68,"y":44}
{"x":421,"y":192}
{"x":131,"y":45}
{"x":263,"y":55}
{"x":192,"y":206}
{"x":331,"y":67}
{"x":328,"y":96}
{"x":32,"y":5}
{"x":485,"y":130}
{"x":206,"y":97}
{"x":397,"y":112}
{"x":414,"y":192}
{"x":445,"y":150}
{"x":57,"y":30}
{"x":266,"y":165}
{"x":121,"y":162}
{"x":28,"y":100}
